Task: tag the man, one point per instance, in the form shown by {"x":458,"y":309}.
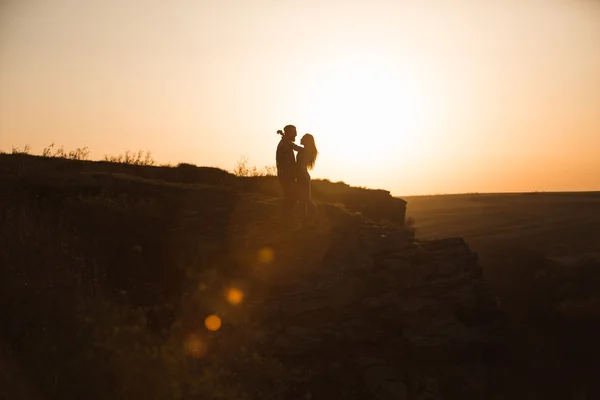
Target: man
{"x":286,"y":169}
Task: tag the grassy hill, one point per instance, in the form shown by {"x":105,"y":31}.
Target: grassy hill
{"x":110,"y":274}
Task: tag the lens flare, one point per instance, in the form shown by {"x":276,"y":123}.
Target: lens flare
{"x":235,"y":296}
{"x":266,"y":255}
{"x":194,"y":346}
{"x":212,"y":323}
{"x":202,"y":286}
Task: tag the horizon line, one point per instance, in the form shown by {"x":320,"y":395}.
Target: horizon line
{"x":595,"y":191}
{"x":175,"y":165}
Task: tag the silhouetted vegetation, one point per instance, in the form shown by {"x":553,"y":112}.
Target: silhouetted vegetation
{"x":80,"y":153}
{"x":133,"y":158}
{"x":17,"y":150}
{"x":243,"y":169}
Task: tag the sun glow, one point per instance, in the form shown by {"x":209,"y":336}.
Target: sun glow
{"x":366,"y":111}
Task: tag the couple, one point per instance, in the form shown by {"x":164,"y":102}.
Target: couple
{"x":293,"y":173}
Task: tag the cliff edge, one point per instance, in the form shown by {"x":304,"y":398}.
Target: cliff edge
{"x":127,"y":282}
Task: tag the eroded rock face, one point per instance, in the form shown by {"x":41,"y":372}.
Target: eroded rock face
{"x":374,"y":204}
{"x":406,"y":319}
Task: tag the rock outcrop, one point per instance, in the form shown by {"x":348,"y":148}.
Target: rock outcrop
{"x":377,"y":205}
{"x":375,"y":314}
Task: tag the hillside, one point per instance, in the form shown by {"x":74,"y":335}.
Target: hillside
{"x":130,"y":282}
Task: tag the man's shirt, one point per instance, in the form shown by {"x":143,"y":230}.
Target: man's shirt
{"x":286,"y":161}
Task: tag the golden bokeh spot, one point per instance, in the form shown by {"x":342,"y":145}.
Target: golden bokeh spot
{"x":266,"y":255}
{"x":212,"y":323}
{"x":194,"y":346}
{"x":235,"y":296}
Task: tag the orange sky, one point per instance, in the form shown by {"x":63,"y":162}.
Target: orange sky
{"x":416,"y":97}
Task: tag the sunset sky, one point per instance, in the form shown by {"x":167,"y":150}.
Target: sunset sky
{"x":416,"y":97}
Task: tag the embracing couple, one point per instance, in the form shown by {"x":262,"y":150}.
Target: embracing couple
{"x":293,"y":173}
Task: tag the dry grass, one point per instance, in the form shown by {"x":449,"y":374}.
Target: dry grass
{"x":93,"y":309}
{"x":243,"y":169}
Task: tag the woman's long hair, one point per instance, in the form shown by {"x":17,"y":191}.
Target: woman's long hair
{"x":311,"y":149}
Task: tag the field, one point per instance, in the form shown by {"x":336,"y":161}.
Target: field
{"x":535,"y":250}
{"x":507,"y":230}
{"x":554,"y":224}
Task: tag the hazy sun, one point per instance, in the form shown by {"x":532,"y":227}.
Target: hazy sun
{"x":364,"y":111}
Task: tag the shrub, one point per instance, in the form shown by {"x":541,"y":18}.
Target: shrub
{"x":80,"y":153}
{"x":133,"y":158}
{"x":18,"y":150}
{"x":242,"y":169}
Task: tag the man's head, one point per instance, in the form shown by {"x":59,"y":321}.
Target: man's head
{"x":289,"y":133}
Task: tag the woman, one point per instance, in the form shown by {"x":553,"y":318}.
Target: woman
{"x":305,"y":161}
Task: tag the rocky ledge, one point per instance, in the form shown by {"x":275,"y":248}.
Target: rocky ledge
{"x":372,"y":313}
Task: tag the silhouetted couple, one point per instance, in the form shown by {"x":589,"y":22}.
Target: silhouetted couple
{"x":293,"y":173}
